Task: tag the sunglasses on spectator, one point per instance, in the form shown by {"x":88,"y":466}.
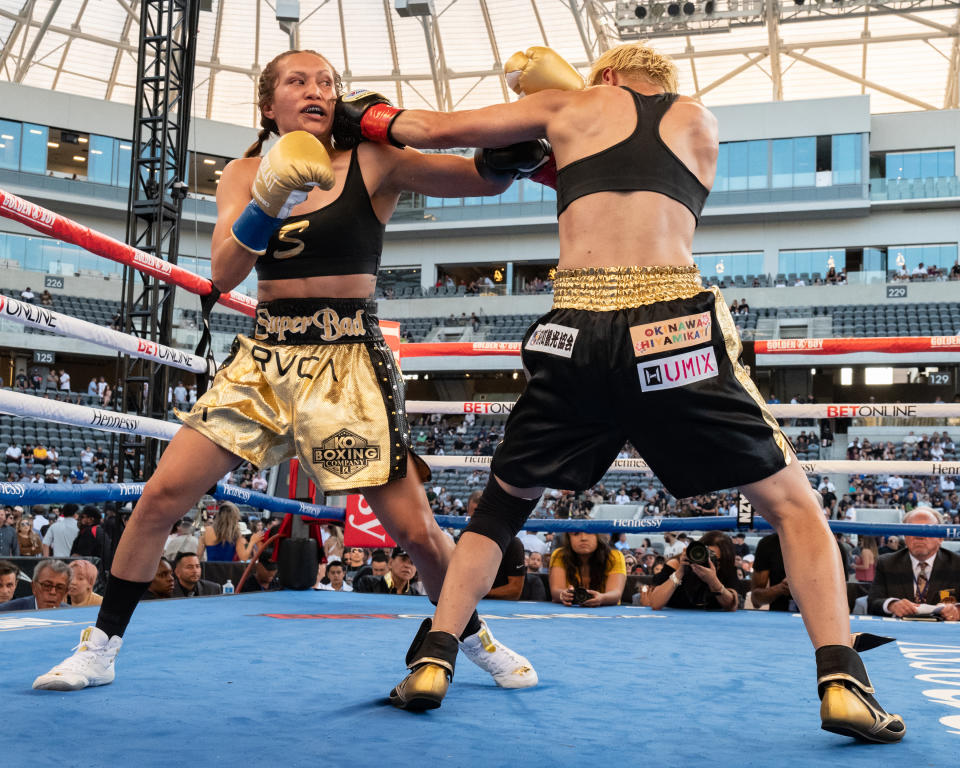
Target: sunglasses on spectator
{"x":49,"y":586}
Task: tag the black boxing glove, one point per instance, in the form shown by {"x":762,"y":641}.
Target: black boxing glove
{"x":363,"y":116}
{"x":526,"y":159}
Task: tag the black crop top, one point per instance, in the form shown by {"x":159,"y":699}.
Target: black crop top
{"x":342,"y":238}
{"x":640,"y":162}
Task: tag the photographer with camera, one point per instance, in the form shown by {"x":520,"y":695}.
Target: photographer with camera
{"x":703,"y":576}
{"x":585,"y":570}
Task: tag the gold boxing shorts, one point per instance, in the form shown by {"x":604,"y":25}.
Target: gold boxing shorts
{"x":316,"y":381}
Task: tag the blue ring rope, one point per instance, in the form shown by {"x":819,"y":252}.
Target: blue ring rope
{"x":35,"y":493}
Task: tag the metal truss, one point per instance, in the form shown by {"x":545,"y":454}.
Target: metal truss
{"x":161,"y":124}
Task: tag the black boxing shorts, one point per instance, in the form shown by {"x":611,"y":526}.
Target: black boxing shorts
{"x":643,"y":354}
{"x":315,"y":381}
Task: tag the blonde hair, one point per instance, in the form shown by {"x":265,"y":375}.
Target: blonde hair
{"x":637,"y":60}
{"x":226,"y":525}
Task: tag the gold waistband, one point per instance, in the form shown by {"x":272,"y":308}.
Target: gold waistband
{"x":602,"y":289}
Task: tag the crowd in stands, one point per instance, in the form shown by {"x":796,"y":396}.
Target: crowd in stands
{"x":572,"y":569}
{"x":928,"y":272}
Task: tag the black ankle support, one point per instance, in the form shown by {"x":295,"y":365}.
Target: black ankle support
{"x":473,"y":624}
{"x":500,"y":516}
{"x":836,"y":660}
{"x":120,"y":598}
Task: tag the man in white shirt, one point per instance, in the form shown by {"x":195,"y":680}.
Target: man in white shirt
{"x":895,"y":482}
{"x":64,"y":381}
{"x":533,"y":543}
{"x":86,"y":455}
{"x":27,"y":295}
{"x":13,"y":452}
{"x":335,"y":573}
{"x":61,"y":534}
{"x":912,"y":581}
{"x":826,"y":485}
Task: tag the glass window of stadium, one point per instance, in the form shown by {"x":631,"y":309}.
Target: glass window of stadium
{"x":472,"y":279}
{"x":794,"y":162}
{"x":742,"y":165}
{"x":33,"y":155}
{"x":203,"y":172}
{"x":533,"y":278}
{"x":101,"y":166}
{"x":399,"y":282}
{"x":10,"y":145}
{"x":916,"y":164}
{"x":847,"y":160}
{"x":730,"y":265}
{"x":811,"y":263}
{"x":942,"y":255}
{"x":67,"y":153}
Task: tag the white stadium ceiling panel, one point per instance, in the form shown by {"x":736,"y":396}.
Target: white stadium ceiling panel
{"x":905,"y":60}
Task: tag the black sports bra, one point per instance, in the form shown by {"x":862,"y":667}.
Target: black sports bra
{"x":342,"y":238}
{"x":642,"y":161}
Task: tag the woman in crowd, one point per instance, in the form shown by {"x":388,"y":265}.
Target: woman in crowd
{"x":865,"y":564}
{"x":586,"y":561}
{"x":224,"y":541}
{"x":31,"y":545}
{"x":333,"y":544}
{"x":80,"y":592}
{"x":682,"y":584}
{"x":311,"y":218}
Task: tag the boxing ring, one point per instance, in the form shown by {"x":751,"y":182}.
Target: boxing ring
{"x":301,"y":678}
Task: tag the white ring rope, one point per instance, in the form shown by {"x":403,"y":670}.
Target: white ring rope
{"x":47,"y":320}
{"x":785,"y":411}
{"x":810,"y":467}
{"x":20,"y":404}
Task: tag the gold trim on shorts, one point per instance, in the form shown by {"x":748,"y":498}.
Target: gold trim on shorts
{"x":731,"y":341}
{"x":604,"y":289}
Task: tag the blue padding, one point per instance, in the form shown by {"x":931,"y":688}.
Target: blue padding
{"x":254,"y":228}
{"x":34,"y":493}
{"x":274,"y":504}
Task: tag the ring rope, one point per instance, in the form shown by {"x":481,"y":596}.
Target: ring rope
{"x":31,"y":493}
{"x":47,"y":320}
{"x":50,"y":223}
{"x":21,"y":404}
{"x":782,"y":411}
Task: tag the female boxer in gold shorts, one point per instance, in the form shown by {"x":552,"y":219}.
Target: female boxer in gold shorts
{"x":315,"y":379}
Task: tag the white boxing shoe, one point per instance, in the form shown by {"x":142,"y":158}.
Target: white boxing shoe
{"x":91,"y":664}
{"x":508,"y":668}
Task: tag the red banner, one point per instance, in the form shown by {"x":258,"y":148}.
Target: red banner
{"x":888,"y":344}
{"x":468,"y":348}
{"x":361,"y":527}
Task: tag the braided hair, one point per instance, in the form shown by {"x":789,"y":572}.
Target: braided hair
{"x":266,"y":84}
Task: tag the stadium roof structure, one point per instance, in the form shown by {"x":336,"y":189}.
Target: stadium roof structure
{"x":448,"y":54}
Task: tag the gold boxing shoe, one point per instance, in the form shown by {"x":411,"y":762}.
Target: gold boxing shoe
{"x":431,"y":660}
{"x":847,"y":705}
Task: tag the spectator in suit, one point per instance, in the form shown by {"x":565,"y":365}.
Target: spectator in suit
{"x":923,"y":573}
{"x":8,"y":580}
{"x":400,"y":579}
{"x":51,"y":581}
{"x":187,"y":581}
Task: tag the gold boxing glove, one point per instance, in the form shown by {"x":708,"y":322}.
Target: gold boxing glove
{"x":297,"y":162}
{"x":538,"y":69}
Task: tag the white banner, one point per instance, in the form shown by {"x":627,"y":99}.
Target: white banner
{"x":810,"y":467}
{"x":46,"y":319}
{"x":815,"y":411}
{"x":20,"y":404}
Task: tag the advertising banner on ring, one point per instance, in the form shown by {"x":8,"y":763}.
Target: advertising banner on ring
{"x":361,"y":527}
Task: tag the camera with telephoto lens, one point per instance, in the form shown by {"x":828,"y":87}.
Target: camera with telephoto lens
{"x":699,"y":553}
{"x":580,"y":595}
